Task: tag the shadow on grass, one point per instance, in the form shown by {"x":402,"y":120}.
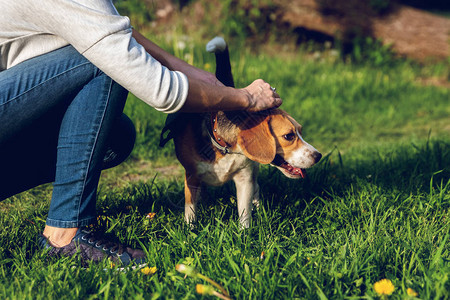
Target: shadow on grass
{"x":399,"y":170}
{"x":406,"y":169}
{"x":414,"y":169}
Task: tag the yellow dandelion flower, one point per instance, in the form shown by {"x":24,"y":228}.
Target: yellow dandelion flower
{"x":207,"y":66}
{"x":209,"y":291}
{"x":149,"y":270}
{"x":151,"y":215}
{"x":262,"y":256}
{"x":204,"y":289}
{"x":411,"y":292}
{"x":384,"y":287}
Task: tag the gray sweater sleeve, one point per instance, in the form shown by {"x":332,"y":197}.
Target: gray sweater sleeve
{"x":96,"y":30}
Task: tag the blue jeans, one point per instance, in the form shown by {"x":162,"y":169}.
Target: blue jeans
{"x":61,"y":120}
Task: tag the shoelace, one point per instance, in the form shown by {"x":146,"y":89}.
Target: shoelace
{"x":103,"y":243}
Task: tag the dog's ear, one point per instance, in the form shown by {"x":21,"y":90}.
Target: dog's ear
{"x":256,"y":140}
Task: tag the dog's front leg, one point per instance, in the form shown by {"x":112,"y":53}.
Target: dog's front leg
{"x":255,"y":197}
{"x":192,"y":192}
{"x":247,"y":191}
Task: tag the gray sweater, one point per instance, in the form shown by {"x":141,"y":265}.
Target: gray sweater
{"x":29,"y":28}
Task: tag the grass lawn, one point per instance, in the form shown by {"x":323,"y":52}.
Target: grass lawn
{"x":376,"y":207}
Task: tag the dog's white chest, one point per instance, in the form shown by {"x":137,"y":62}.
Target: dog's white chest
{"x":218,"y":172}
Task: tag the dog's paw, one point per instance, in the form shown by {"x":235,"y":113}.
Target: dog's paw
{"x":255,"y":203}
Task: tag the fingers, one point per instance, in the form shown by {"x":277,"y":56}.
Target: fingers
{"x":277,"y":99}
{"x":263,"y":95}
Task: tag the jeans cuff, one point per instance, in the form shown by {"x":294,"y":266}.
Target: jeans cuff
{"x":69,"y":224}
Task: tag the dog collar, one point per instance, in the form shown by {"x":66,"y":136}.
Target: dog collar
{"x":216,"y":139}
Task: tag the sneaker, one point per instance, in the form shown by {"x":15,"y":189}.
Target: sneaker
{"x":91,"y":248}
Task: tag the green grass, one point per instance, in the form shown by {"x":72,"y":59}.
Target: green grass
{"x":377,"y":205}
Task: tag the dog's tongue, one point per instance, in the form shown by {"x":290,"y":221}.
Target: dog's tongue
{"x":300,"y":171}
{"x":294,"y":171}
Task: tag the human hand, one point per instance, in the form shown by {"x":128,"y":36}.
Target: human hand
{"x":261,"y":96}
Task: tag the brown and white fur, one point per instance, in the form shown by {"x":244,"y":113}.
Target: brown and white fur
{"x":270,"y":137}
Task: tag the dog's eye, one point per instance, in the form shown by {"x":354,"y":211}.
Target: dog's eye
{"x":289,"y":136}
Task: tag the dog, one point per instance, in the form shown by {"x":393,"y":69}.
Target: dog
{"x":215,"y":148}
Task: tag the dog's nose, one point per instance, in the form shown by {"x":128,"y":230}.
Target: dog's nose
{"x":316,"y":156}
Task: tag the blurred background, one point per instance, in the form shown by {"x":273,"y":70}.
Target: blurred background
{"x":354,"y":73}
{"x":417,"y":29}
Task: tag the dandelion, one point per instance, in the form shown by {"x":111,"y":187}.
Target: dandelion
{"x":182,"y":268}
{"x":188,"y":57}
{"x":181,"y":45}
{"x":204,"y":289}
{"x":148,"y":270}
{"x":384,"y":287}
{"x":190,"y":271}
{"x":411,"y":292}
{"x":262,"y":256}
{"x":150,"y":215}
{"x":209,"y":291}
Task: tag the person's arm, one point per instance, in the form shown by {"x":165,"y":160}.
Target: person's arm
{"x":172,"y":62}
{"x":107,"y":40}
{"x":203,"y":96}
{"x":206,"y":93}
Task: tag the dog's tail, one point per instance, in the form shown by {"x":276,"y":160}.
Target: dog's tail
{"x":223,"y":73}
{"x":219,"y":47}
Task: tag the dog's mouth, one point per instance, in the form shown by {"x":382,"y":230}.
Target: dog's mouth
{"x":287,"y":169}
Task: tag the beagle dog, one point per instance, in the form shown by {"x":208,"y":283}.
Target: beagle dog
{"x":215,"y":148}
